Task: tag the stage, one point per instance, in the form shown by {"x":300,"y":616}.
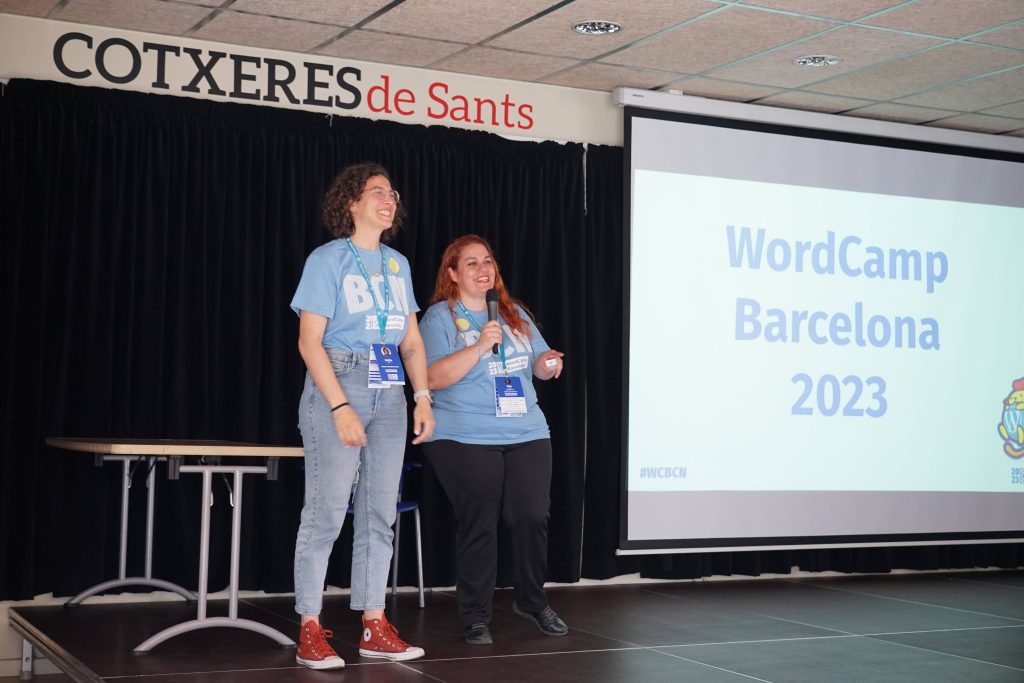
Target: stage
{"x":934,"y":627}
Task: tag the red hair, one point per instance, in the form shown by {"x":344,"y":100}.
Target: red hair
{"x":446,"y":289}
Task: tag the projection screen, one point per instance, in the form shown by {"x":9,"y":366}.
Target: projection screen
{"x":824,"y":337}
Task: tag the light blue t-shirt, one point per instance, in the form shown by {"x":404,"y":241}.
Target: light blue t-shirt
{"x":465,"y":411}
{"x":333,"y":286}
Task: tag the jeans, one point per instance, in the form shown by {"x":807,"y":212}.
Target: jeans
{"x":331,"y":469}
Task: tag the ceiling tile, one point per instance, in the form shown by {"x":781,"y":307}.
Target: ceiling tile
{"x":270,"y":32}
{"x":1017,"y":133}
{"x":918,"y":72}
{"x":952,"y":18}
{"x":900,"y":113}
{"x":844,"y":10}
{"x":553,"y":34}
{"x":716,"y":39}
{"x":979,"y":93}
{"x":135,"y":15}
{"x":1014,"y":111}
{"x":808,"y":101}
{"x":463,"y":22}
{"x":1011,"y":36}
{"x":980,"y":123}
{"x":608,"y":77}
{"x":371,"y":46}
{"x":857,"y":47}
{"x":720,"y":90}
{"x":32,"y":8}
{"x":516,"y":66}
{"x":345,"y":13}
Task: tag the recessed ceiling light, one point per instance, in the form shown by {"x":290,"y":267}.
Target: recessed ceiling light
{"x":596,"y":28}
{"x":817,"y":60}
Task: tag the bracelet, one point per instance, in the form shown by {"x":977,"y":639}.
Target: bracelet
{"x":339,"y":406}
{"x":417,"y":395}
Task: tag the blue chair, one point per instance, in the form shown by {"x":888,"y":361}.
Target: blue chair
{"x":403,"y":506}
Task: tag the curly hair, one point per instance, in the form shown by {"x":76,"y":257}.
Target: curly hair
{"x":346,"y":188}
{"x":445,"y":289}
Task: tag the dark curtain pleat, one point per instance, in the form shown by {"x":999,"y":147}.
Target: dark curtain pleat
{"x":603,"y":254}
{"x":151,"y":245}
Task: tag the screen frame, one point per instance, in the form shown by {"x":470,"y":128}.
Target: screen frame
{"x":839,"y":133}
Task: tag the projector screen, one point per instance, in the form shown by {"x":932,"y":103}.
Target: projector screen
{"x":824,"y":338}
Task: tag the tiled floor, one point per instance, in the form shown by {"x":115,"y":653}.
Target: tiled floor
{"x":962,"y":627}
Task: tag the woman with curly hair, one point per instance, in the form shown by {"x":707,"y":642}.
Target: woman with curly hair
{"x":357,"y":314}
{"x":491,"y":448}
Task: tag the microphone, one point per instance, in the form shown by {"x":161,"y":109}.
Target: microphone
{"x":492,"y":309}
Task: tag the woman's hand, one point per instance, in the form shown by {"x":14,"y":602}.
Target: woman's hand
{"x":489,"y":336}
{"x":349,"y":426}
{"x":548,"y":364}
{"x":422,"y":420}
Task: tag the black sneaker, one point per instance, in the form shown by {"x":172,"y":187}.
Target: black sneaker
{"x":477,"y":634}
{"x":547,"y":620}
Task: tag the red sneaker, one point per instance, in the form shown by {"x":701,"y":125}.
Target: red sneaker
{"x":380,"y":639}
{"x":314,"y":650}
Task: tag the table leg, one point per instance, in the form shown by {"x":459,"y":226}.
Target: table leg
{"x":126,"y":488}
{"x":236,"y":542}
{"x":204,"y":544}
{"x":231,"y":621}
{"x":26,"y":660}
{"x":150,"y":513}
{"x":123,"y":580}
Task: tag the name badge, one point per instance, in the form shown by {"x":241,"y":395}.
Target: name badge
{"x":385,"y":367}
{"x":509,"y":399}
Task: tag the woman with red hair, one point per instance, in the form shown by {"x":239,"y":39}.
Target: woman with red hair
{"x":491,"y":446}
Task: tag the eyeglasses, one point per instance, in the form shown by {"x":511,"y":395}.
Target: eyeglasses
{"x":380,"y":194}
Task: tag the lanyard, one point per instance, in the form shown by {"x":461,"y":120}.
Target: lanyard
{"x":474,"y":323}
{"x":382,"y":315}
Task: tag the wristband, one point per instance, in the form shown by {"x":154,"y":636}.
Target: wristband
{"x":417,"y":395}
{"x":339,"y":406}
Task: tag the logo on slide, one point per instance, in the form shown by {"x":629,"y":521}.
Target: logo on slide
{"x":1012,"y":426}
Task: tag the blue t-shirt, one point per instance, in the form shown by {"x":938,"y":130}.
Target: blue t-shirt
{"x":465,"y":411}
{"x":333,"y":286}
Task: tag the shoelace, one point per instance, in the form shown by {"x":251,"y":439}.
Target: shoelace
{"x":318,"y":641}
{"x":389,"y":633}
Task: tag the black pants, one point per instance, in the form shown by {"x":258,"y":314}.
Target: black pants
{"x":483,"y":482}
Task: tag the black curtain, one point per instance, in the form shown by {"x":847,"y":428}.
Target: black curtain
{"x":151,"y":245}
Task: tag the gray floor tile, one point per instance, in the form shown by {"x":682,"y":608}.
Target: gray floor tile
{"x":845,"y":660}
{"x":840,"y":610}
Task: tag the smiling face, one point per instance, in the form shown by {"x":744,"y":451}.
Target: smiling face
{"x":1016,"y":399}
{"x":474,"y":273}
{"x":376,"y":207}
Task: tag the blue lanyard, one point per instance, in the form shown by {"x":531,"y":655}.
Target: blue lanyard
{"x":382,"y":315}
{"x":474,"y":323}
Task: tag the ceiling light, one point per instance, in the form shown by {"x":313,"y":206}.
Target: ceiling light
{"x":596,"y":28}
{"x":817,"y":60}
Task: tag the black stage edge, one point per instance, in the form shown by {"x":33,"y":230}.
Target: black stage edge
{"x":934,"y":627}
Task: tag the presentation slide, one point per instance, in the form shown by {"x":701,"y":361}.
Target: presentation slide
{"x":825,"y":341}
